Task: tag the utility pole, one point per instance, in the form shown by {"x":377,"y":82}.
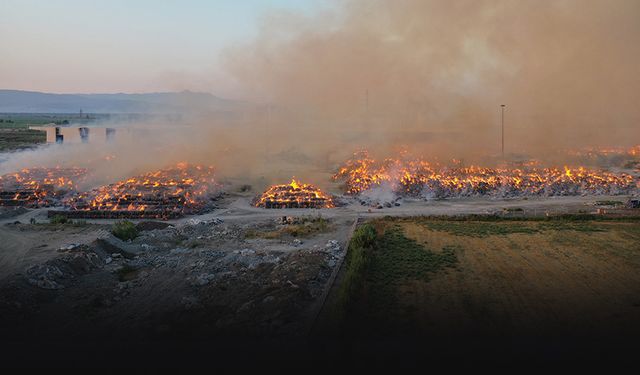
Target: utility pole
{"x":502,"y":106}
{"x":266,"y":133}
{"x":366,"y":108}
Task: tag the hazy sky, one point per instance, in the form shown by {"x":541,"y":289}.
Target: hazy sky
{"x":69,"y":46}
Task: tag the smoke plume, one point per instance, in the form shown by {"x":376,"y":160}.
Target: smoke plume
{"x":432,"y":74}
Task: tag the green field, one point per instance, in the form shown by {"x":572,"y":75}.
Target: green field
{"x":16,"y":135}
{"x":17,"y":139}
{"x":24,"y":120}
{"x":434,"y":277}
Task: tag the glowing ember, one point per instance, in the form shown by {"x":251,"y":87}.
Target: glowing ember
{"x":170,"y":192}
{"x":294,"y":195}
{"x":415,"y":177}
{"x":593,"y":152}
{"x":35,"y":187}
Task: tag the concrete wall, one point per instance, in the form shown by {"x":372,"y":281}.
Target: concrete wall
{"x":72,"y":134}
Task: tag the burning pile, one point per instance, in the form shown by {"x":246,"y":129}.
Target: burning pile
{"x":294,"y":195}
{"x":419,"y":178}
{"x":37,"y":187}
{"x":592,"y":152}
{"x":619,"y":157}
{"x":167,"y":193}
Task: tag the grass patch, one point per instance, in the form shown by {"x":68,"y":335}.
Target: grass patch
{"x":398,"y":259}
{"x":124,"y":230}
{"x":490,"y":225}
{"x":59,"y":219}
{"x":269,"y":235}
{"x":356,"y":261}
{"x":396,"y":285}
{"x":17,"y":138}
{"x":381,"y":260}
{"x":306,"y":227}
{"x":24,"y":120}
{"x":488,"y":228}
{"x":498,"y":218}
{"x":479,"y":228}
{"x":585,"y":227}
{"x":630,"y":231}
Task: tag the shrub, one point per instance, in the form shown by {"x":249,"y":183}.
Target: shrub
{"x":357,"y":259}
{"x":124,"y":230}
{"x":59,"y":219}
{"x":364,"y":237}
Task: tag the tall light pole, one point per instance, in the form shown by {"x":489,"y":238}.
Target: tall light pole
{"x":502,"y":107}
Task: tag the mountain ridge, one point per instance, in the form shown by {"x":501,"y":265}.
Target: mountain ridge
{"x":22,"y":101}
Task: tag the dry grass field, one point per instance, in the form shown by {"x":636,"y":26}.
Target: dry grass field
{"x":483,"y":283}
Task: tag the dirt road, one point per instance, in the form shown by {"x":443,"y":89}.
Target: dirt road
{"x":21,"y":246}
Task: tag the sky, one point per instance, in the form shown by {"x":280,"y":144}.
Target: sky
{"x":85,"y":46}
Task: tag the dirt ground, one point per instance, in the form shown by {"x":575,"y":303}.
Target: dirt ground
{"x":24,"y":245}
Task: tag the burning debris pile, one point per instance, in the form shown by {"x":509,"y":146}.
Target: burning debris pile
{"x":592,"y":152}
{"x":419,"y":178}
{"x":294,"y":195}
{"x":166,"y":193}
{"x":38,"y":187}
{"x":618,"y":157}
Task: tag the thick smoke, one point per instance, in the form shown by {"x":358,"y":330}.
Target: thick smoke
{"x":418,"y":75}
{"x":432,"y":74}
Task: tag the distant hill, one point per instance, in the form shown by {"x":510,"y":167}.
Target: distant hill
{"x":17,"y":101}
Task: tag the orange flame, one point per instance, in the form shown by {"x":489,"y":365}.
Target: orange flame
{"x":294,"y":195}
{"x":413,"y":176}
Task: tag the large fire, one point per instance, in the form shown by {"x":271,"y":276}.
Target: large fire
{"x":417,"y":177}
{"x":169,"y":192}
{"x":294,"y":195}
{"x":36,"y":187}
